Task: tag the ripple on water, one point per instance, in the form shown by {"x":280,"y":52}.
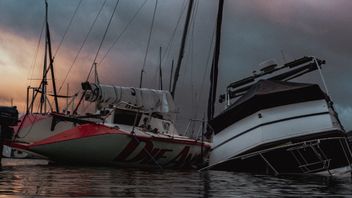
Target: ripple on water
{"x":17,"y":180}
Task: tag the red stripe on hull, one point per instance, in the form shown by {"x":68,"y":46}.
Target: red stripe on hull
{"x":88,"y":130}
{"x":81,"y":131}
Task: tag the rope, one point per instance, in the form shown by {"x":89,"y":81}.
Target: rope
{"x":148,"y":44}
{"x":174,"y":32}
{"x":196,"y":95}
{"x":171,"y":40}
{"x":82,"y":45}
{"x":146,"y":151}
{"x":192,"y":40}
{"x":138,"y":141}
{"x":96,"y":55}
{"x":36,"y":54}
{"x":68,"y":27}
{"x":208,"y":65}
{"x":122,"y":32}
{"x":102,"y":40}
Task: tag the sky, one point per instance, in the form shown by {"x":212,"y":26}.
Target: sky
{"x":253,"y":31}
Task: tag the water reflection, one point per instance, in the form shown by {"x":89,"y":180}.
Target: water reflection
{"x":46,"y":180}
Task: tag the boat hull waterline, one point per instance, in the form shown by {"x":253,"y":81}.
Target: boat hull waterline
{"x":100,"y":144}
{"x":315,"y":155}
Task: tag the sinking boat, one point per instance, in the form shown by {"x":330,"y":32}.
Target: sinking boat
{"x":272,"y":125}
{"x":133,"y":128}
{"x":277,"y":126}
{"x":129,"y":127}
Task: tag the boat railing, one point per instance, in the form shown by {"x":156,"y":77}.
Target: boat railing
{"x":288,"y":71}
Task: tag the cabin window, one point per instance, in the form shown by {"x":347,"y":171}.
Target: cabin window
{"x":126,"y":117}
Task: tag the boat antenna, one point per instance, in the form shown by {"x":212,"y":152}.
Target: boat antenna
{"x":215,"y":62}
{"x":182,"y":49}
{"x":160,"y":70}
{"x":48,"y":54}
{"x":171,"y":72}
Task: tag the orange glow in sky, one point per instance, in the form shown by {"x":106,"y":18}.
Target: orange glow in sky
{"x":15,"y":60}
{"x":17,"y":55}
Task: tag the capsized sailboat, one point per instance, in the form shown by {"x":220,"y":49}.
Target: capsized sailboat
{"x":131,"y":127}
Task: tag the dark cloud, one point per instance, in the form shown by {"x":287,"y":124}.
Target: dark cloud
{"x":253,"y":31}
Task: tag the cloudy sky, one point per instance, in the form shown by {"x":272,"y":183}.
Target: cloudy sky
{"x":253,"y":31}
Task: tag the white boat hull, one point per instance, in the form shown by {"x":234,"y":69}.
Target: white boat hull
{"x":271,"y":132}
{"x":100,"y":144}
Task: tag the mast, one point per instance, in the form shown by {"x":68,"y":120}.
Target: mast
{"x":182,"y":49}
{"x":48,"y":54}
{"x":215,"y":62}
{"x":44,"y":79}
{"x":51,"y":58}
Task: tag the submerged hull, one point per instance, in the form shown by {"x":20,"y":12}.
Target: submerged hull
{"x":322,"y":154}
{"x":91,"y":143}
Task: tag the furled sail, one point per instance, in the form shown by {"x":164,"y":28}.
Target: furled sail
{"x":147,"y":100}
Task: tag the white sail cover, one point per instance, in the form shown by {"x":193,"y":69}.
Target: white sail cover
{"x":148,"y":100}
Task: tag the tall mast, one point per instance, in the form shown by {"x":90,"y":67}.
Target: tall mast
{"x":52,"y":69}
{"x":48,"y":54}
{"x":215,"y":62}
{"x":44,"y":80}
{"x":182,"y":49}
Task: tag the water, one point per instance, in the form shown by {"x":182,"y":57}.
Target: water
{"x":31,"y":178}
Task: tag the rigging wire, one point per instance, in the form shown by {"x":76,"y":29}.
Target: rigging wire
{"x":188,"y":57}
{"x":192,"y":42}
{"x":166,"y":52}
{"x":173,"y":35}
{"x":208,"y":64}
{"x":96,"y":55}
{"x":182,"y":47}
{"x":172,"y":38}
{"x":171,"y":41}
{"x":148,"y":44}
{"x":187,"y":70}
{"x":82,"y":45}
{"x":122,"y":32}
{"x":102,"y":40}
{"x":67,"y":28}
{"x":36,"y":54}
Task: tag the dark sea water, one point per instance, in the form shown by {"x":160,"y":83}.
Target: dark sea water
{"x":28,"y":178}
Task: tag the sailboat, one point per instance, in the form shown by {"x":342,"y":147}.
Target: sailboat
{"x":131,"y":127}
{"x":272,"y":125}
